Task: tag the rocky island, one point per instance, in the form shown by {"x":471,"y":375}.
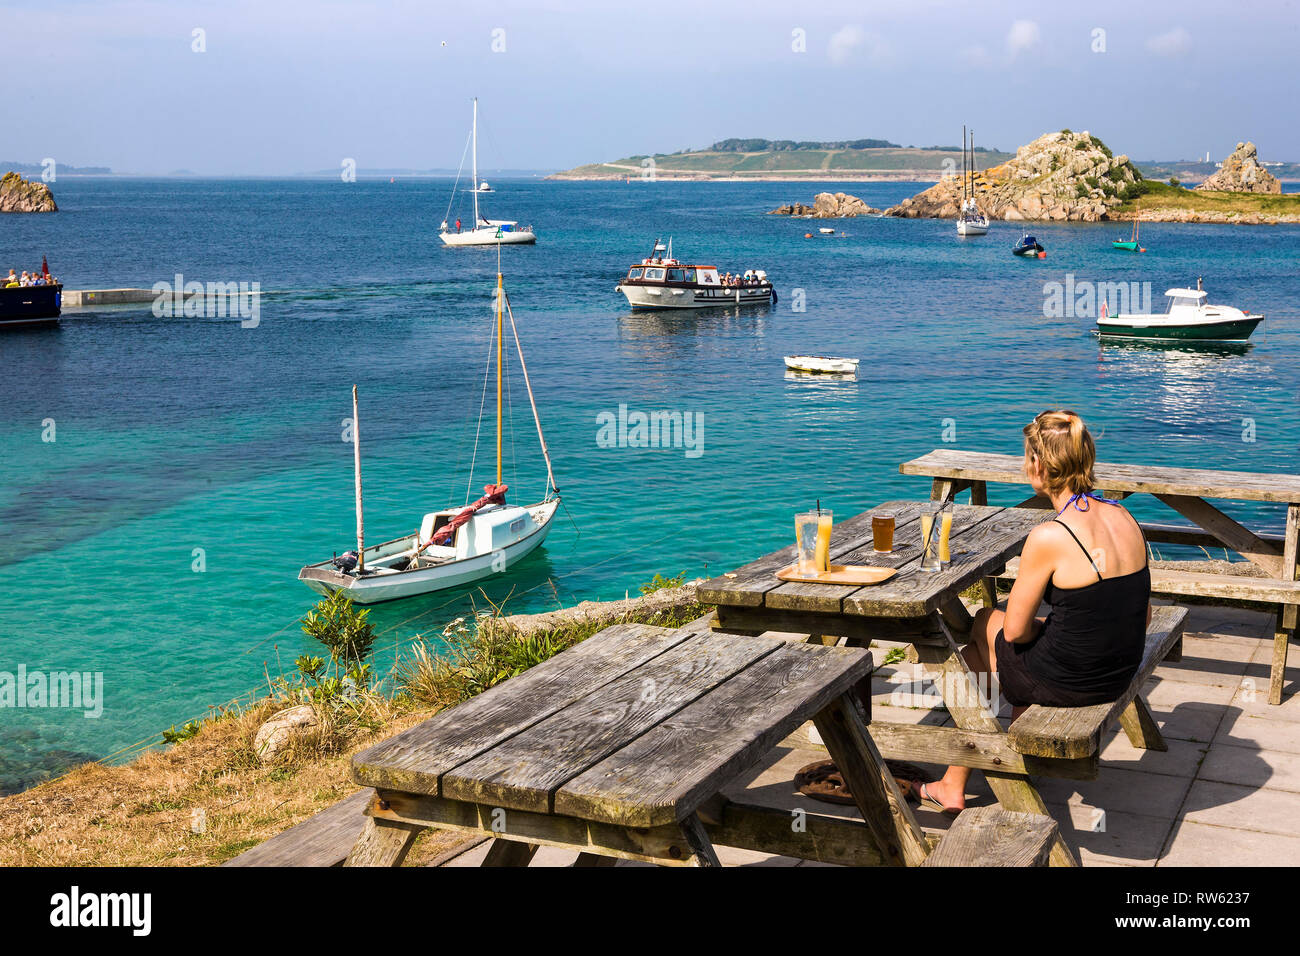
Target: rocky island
{"x":20,"y":195}
{"x":827,"y":206}
{"x":1063,"y":176}
{"x":1242,"y":173}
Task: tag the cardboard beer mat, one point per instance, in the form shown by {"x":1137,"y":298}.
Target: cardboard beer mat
{"x":838,"y":574}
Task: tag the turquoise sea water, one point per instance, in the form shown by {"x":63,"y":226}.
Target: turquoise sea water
{"x":181,"y":434}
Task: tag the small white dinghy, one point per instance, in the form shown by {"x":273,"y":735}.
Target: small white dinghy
{"x":822,"y":364}
{"x":453,"y":547}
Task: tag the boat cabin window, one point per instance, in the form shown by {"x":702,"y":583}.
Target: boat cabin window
{"x":656,"y":274}
{"x":690,"y":275}
{"x":635,"y":273}
{"x":1183,"y":301}
{"x":675,"y":275}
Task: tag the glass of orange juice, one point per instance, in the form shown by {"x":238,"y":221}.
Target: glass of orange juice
{"x":812,"y":532}
{"x":944,"y":532}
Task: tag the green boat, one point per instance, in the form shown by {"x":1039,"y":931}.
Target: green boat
{"x":1130,"y":244}
{"x":1188,"y":319}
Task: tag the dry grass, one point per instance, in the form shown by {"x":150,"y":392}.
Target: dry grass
{"x":140,"y":814}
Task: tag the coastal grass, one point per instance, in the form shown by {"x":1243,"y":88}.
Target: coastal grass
{"x":1164,"y":196}
{"x":209,"y":796}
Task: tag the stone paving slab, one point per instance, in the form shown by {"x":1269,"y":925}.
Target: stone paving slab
{"x":1198,"y":844}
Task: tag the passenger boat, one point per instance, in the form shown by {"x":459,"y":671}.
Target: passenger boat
{"x":484,"y":231}
{"x":1188,"y":319}
{"x":970,"y":221}
{"x":33,"y":306}
{"x":1029,"y":248}
{"x":661,"y":282}
{"x":1130,"y":244}
{"x":452,"y":547}
{"x":822,"y":364}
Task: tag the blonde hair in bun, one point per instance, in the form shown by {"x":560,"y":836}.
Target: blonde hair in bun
{"x":1065,"y":451}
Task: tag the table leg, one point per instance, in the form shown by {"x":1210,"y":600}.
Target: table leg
{"x":1287,"y":614}
{"x":382,"y":843}
{"x":979,"y":495}
{"x":876,"y":793}
{"x":505,"y":852}
{"x":960,"y":692}
{"x":698,"y":842}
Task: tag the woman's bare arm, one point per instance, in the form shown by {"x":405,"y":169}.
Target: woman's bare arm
{"x":1037,"y":562}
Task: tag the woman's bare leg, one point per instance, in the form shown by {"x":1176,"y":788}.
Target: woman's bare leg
{"x":982,"y":659}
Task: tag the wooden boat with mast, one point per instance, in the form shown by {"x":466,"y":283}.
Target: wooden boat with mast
{"x":452,"y":547}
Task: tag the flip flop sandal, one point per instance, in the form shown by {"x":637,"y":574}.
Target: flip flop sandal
{"x":930,"y":803}
{"x":823,"y":781}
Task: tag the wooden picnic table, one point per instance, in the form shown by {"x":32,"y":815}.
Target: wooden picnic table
{"x":1185,"y":490}
{"x":620,"y":746}
{"x":920,"y":607}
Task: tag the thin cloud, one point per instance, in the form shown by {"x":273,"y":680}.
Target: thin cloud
{"x":851,"y":42}
{"x":1022,"y":37}
{"x":1174,"y":43}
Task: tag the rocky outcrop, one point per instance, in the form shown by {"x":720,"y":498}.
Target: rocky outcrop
{"x":1242,"y":173}
{"x":1063,"y":176}
{"x":19,"y":195}
{"x":828,"y":206}
{"x":278,"y":733}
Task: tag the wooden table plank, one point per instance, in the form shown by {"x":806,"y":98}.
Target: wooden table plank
{"x":665,"y":774}
{"x":746,"y":586}
{"x":1114,"y":476}
{"x":416,"y":759}
{"x":524,"y":771}
{"x":979,"y":550}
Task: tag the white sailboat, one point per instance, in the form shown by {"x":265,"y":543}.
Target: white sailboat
{"x":970,"y":221}
{"x":452,"y":547}
{"x":483,"y":231}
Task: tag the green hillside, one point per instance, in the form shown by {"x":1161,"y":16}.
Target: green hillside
{"x":784,"y":160}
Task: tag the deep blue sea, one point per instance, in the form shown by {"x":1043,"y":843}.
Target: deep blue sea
{"x":177,"y":434}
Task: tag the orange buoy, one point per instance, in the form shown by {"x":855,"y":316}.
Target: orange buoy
{"x":807,"y":235}
{"x":1042,"y":255}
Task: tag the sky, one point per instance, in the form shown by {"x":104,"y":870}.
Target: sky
{"x":283,"y":87}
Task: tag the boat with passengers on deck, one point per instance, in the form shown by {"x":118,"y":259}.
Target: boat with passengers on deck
{"x":662,"y":282}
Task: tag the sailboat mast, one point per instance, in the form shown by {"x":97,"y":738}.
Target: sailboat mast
{"x":963,"y":165}
{"x":475,"y":190}
{"x":356,"y":466}
{"x":500,"y":300}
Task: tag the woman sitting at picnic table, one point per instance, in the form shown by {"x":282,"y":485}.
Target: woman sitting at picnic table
{"x":1089,"y":564}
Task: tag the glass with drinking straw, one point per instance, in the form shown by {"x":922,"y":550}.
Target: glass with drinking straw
{"x":812,"y":531}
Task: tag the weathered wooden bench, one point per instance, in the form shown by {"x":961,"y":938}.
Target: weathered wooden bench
{"x":1071,"y":733}
{"x":1184,"y":490}
{"x":991,"y":836}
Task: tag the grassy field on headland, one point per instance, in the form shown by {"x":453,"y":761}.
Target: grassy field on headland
{"x":849,"y":164}
{"x":1163,"y":197}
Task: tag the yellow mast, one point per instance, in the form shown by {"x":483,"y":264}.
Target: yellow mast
{"x":500,"y":300}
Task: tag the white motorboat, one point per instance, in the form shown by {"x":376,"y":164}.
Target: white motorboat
{"x":970,"y":221}
{"x":483,"y":231}
{"x":452,"y":547}
{"x":661,"y":282}
{"x":822,"y":364}
{"x":827,"y":230}
{"x":1189,"y":318}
